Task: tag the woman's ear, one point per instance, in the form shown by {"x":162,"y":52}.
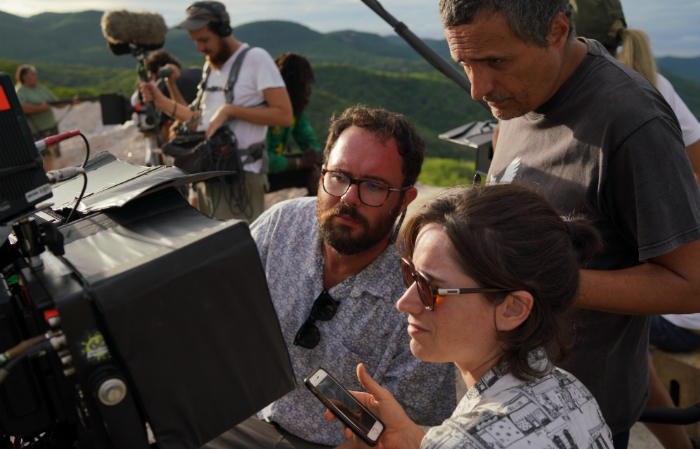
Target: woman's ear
{"x":514,"y":310}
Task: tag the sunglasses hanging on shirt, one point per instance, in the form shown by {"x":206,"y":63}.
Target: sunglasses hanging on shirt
{"x":324,"y":309}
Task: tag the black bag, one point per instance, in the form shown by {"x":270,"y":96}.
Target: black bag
{"x":194,"y":153}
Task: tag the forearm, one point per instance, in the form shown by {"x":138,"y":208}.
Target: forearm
{"x":175,"y":92}
{"x":28,"y":108}
{"x":175,"y":110}
{"x":270,"y":116}
{"x":647,"y":289}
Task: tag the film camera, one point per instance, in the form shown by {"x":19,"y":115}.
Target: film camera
{"x":139,"y":316}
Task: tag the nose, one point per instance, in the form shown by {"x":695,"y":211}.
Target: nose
{"x":482,"y":83}
{"x":410,"y":301}
{"x":352,"y":196}
{"x":201,"y":47}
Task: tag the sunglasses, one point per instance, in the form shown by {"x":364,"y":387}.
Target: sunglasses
{"x":428,"y":292}
{"x":324,"y":309}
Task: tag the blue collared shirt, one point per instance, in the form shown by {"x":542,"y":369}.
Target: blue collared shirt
{"x":367,"y":327}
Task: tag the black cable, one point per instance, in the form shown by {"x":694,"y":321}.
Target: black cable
{"x":35,"y":349}
{"x":82,"y":192}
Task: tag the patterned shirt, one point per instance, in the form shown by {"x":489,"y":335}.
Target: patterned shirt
{"x":367,"y":327}
{"x":500,"y":411}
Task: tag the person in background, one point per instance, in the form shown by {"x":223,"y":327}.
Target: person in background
{"x":491,"y":272}
{"x":259,"y":99}
{"x":287,"y":168}
{"x":34,"y":99}
{"x":636,"y":53}
{"x":180,"y":85}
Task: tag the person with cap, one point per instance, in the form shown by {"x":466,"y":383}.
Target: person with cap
{"x":258,"y":99}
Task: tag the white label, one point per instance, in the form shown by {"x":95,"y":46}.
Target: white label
{"x":37,"y":193}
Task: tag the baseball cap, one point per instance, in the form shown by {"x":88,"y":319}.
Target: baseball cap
{"x":201,"y":13}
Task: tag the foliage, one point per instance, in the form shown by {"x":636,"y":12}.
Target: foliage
{"x":687,"y":90}
{"x":434,"y":105}
{"x":446,"y":172}
{"x":688,"y":68}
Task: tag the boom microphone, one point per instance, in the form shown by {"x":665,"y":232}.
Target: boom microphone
{"x":121,"y":28}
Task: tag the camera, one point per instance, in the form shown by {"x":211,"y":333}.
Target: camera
{"x":141,"y":322}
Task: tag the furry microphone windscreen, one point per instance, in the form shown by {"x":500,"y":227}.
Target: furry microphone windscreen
{"x":146,"y":29}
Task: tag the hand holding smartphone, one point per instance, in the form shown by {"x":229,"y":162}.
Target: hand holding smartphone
{"x":344,"y":406}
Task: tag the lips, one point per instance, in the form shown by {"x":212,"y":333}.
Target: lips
{"x":347,"y":220}
{"x":414,"y":329}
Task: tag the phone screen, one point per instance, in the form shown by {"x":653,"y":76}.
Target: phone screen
{"x":346,"y":404}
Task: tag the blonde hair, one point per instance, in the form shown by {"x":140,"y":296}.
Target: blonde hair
{"x":636,"y":53}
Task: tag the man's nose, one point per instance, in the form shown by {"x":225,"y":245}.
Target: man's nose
{"x":351,"y":197}
{"x":200,"y":47}
{"x":482,"y":82}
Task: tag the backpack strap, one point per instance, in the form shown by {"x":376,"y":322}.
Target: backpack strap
{"x":232,"y":78}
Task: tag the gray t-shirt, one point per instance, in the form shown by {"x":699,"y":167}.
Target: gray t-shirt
{"x":608,"y":147}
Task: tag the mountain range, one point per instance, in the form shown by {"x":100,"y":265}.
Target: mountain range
{"x":76,"y":38}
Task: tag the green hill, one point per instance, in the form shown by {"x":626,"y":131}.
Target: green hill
{"x":686,"y":67}
{"x":432,"y":102}
{"x":76,"y":38}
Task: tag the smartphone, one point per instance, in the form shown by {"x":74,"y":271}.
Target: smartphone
{"x":344,"y":406}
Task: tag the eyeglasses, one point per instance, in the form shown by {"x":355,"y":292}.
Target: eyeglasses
{"x":324,"y":309}
{"x":428,"y":293}
{"x":372,"y":193}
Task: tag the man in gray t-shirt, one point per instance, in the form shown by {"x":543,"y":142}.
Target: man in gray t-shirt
{"x":599,"y":141}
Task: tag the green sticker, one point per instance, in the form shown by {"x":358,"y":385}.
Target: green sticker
{"x":94,"y":347}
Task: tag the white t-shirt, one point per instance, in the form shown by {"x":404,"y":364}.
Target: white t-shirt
{"x":258,"y":72}
{"x":691,"y":134}
{"x":689,"y":124}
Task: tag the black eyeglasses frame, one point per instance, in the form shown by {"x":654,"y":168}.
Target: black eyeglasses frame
{"x":358,"y":182}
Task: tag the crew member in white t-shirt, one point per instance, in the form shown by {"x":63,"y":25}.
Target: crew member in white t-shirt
{"x":260,"y":100}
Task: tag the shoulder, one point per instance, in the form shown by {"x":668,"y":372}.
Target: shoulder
{"x":288,"y":215}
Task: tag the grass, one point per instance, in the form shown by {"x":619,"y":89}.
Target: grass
{"x":441,"y":172}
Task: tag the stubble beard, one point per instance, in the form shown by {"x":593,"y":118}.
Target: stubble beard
{"x":501,"y":114}
{"x":219,"y":58}
{"x":340,"y":237}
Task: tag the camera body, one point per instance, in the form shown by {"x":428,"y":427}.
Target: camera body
{"x":147,"y":315}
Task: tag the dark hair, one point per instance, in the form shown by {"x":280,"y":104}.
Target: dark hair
{"x":160,"y":58}
{"x":384,"y":125}
{"x":21,"y":71}
{"x":221,"y":29}
{"x":298,"y":77}
{"x":530,"y":20}
{"x":508,"y":236}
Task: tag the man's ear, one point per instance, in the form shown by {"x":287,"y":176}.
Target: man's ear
{"x":514,"y":310}
{"x":559,"y":32}
{"x":408,"y":198}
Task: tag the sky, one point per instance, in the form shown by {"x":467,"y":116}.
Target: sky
{"x":672,"y":25}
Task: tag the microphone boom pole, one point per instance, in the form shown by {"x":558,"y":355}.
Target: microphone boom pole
{"x":424,"y":50}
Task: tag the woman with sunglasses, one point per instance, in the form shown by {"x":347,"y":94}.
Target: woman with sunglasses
{"x":490,"y":272}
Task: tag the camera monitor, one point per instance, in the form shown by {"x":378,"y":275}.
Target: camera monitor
{"x":22,"y":180}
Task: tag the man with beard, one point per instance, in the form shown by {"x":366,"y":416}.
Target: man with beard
{"x":334,"y":279}
{"x":259,"y":100}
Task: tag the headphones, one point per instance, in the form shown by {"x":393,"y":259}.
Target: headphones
{"x":220,"y":28}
